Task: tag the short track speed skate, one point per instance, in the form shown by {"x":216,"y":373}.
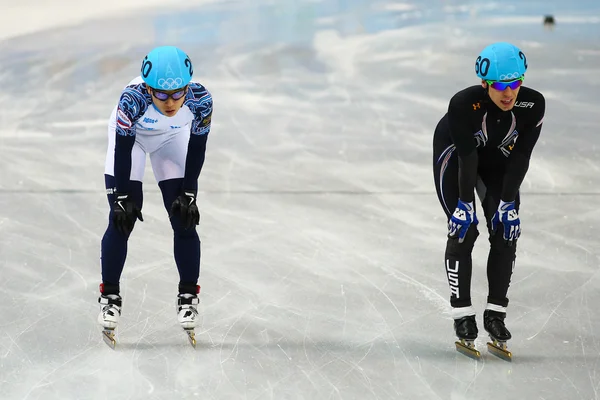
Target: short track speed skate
{"x":466,"y":331}
{"x":187,"y":314}
{"x":110,"y":312}
{"x":493,"y":322}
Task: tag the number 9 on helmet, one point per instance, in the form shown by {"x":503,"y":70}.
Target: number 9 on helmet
{"x":501,"y":61}
{"x":167,"y":68}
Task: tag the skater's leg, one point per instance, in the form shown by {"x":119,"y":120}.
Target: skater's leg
{"x":500,"y":266}
{"x":114,"y":243}
{"x":502,"y":256}
{"x":113,"y":255}
{"x":186,"y":243}
{"x":186,"y":249}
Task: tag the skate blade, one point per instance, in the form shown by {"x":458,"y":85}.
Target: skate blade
{"x":191,"y":336}
{"x":499,"y":350}
{"x":109,"y":338}
{"x":467,"y":347}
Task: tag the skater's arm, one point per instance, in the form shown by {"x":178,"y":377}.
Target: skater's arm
{"x":131,"y":107}
{"x":123,"y":146}
{"x":518,"y":162}
{"x":467,"y":176}
{"x":194,"y":161}
{"x":462,"y":137}
{"x":202,"y":107}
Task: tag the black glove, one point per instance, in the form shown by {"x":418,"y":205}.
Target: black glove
{"x":185,"y":207}
{"x":125,"y":213}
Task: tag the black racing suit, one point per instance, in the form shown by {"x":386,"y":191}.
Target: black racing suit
{"x":477,"y":146}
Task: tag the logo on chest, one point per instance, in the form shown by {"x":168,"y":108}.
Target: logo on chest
{"x":508,"y":142}
{"x":506,"y":146}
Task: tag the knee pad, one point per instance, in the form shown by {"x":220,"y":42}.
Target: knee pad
{"x":183,"y":233}
{"x":179,"y":229}
{"x":499,"y":246}
{"x":457,"y":250}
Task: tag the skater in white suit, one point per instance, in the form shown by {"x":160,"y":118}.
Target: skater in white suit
{"x":164,"y":114}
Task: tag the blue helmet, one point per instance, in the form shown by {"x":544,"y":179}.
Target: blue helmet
{"x":501,"y":62}
{"x":167,"y":68}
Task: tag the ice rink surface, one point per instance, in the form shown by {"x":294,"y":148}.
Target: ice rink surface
{"x":322,"y":259}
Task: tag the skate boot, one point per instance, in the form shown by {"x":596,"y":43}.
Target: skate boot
{"x":110,"y":312}
{"x":493,"y":322}
{"x":466,"y":331}
{"x":187,"y":311}
{"x":187,"y":314}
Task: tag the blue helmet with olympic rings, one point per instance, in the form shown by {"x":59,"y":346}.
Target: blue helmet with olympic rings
{"x":167,"y":68}
{"x":501,"y":61}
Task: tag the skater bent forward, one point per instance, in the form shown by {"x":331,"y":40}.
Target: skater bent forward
{"x":484,"y":144}
{"x":164,"y":114}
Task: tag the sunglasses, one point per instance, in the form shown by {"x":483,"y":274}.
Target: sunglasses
{"x":503,"y":85}
{"x":162,"y":96}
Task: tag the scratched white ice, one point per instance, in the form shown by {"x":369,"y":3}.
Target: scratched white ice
{"x":322,"y":273}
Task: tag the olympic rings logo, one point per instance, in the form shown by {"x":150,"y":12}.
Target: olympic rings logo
{"x":170,"y":83}
{"x":506,"y":77}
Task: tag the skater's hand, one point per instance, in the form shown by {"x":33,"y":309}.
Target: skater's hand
{"x":185,"y":208}
{"x":461,"y":220}
{"x":125,"y":213}
{"x":508,"y":215}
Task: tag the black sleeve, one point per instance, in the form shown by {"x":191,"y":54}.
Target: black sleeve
{"x":462,"y":137}
{"x":518,"y":161}
{"x":195,"y":160}
{"x":198,"y":137}
{"x":123,"y":147}
{"x":132,"y":105}
{"x":467,"y":176}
